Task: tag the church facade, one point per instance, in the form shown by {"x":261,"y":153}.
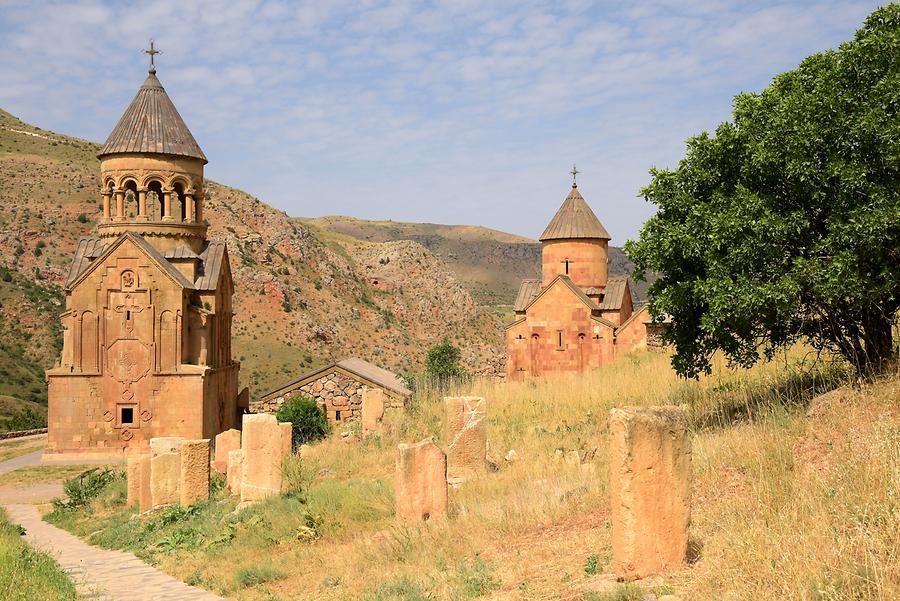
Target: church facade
{"x":147,"y":322}
{"x":575,"y":317}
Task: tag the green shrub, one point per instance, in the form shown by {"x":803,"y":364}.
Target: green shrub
{"x":84,"y":488}
{"x":592,"y":564}
{"x":308,"y":421}
{"x":442,"y":362}
{"x":26,"y":418}
{"x":254,"y":575}
{"x":82,"y":218}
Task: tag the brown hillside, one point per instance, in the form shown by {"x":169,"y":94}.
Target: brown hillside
{"x":302,"y":300}
{"x":490,"y":263}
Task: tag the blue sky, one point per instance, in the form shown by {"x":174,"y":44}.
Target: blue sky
{"x":447,"y":112}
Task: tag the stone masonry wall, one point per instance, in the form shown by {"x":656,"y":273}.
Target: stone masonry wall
{"x":341,"y":395}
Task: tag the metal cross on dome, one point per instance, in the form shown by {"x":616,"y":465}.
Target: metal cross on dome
{"x":153,"y":51}
{"x":574,"y":173}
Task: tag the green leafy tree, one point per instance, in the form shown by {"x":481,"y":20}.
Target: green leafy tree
{"x":785,"y":224}
{"x":442,"y":362}
{"x":308,"y":420}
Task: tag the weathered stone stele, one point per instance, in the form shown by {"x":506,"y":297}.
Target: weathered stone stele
{"x":145,"y":501}
{"x":165,"y":470}
{"x":373,"y":402}
{"x":194,"y":484}
{"x":420,"y":482}
{"x":235,"y":471}
{"x":650,"y":479}
{"x":133,"y":481}
{"x":466,"y":436}
{"x":286,"y":438}
{"x":263,"y":453}
{"x":227,"y":441}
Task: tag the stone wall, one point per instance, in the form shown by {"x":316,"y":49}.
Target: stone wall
{"x":340,"y":394}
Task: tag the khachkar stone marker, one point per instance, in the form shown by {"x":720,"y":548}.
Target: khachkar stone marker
{"x":466,"y":436}
{"x":649,"y":481}
{"x":372,"y":410}
{"x":165,"y":470}
{"x":227,"y":441}
{"x":420,"y":482}
{"x":287,"y":442}
{"x":138,"y":482}
{"x":263,"y":453}
{"x":194,"y":483}
{"x":235,"y":471}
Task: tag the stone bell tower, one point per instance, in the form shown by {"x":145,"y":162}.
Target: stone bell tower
{"x":147,"y":323}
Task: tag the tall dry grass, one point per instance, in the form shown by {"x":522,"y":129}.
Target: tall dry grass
{"x":785,"y":506}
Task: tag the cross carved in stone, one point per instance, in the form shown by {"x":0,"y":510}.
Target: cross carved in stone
{"x":128,"y":310}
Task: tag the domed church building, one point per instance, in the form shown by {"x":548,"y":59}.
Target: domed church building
{"x":147,"y":322}
{"x":575,"y":317}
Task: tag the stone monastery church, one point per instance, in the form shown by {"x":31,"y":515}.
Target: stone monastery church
{"x":147,"y":321}
{"x":575,"y":317}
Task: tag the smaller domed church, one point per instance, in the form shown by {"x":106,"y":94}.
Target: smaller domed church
{"x":147,"y":321}
{"x":575,"y":317}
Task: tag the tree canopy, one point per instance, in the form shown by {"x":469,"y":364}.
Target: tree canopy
{"x":442,"y":362}
{"x":785,"y":224}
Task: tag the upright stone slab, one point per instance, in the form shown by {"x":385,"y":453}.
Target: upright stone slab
{"x":420,"y":482}
{"x":145,"y":501}
{"x":263,"y":453}
{"x":235,"y":471}
{"x":466,"y":436}
{"x":649,"y":481}
{"x":287,"y":443}
{"x":372,"y":410}
{"x":227,"y":441}
{"x":194,"y":484}
{"x":133,"y":481}
{"x":165,"y":470}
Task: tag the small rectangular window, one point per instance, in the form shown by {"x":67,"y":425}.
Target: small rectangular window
{"x":127,"y":415}
{"x":337,"y":416}
{"x":559,"y":340}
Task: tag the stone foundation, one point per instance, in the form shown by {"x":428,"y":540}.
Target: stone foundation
{"x":649,"y":481}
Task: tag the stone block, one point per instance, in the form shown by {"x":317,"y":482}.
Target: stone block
{"x":649,"y":481}
{"x":263,"y":454}
{"x":227,"y":441}
{"x":373,"y":403}
{"x":145,"y":501}
{"x":466,"y":436}
{"x":133,"y":480}
{"x":420,"y":482}
{"x":287,"y":442}
{"x":194,"y":484}
{"x":235,"y":471}
{"x":165,"y":470}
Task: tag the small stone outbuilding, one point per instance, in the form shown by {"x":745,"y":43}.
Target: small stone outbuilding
{"x":338,"y":388}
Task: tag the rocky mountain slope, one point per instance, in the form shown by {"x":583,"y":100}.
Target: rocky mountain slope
{"x":302,"y":298}
{"x":490,"y":263}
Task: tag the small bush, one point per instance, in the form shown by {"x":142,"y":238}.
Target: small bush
{"x":308,"y":421}
{"x":254,"y":575}
{"x":592,"y":565}
{"x":26,"y":419}
{"x":84,"y":488}
{"x":442,"y":362}
{"x":82,"y":218}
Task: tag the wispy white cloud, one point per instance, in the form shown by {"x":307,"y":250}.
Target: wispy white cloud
{"x":459,"y":111}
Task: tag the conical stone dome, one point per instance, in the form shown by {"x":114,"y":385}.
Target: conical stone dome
{"x":574,"y":219}
{"x":151,"y":124}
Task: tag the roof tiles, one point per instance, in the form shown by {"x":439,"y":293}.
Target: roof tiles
{"x":574,"y":219}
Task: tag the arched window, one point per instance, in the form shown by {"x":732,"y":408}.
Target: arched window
{"x":178,"y":202}
{"x":131,"y":199}
{"x":155,"y":200}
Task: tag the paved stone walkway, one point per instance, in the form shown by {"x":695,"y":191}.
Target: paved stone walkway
{"x":98,"y":574}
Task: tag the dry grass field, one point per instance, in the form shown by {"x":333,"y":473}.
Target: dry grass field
{"x":790,"y":501}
